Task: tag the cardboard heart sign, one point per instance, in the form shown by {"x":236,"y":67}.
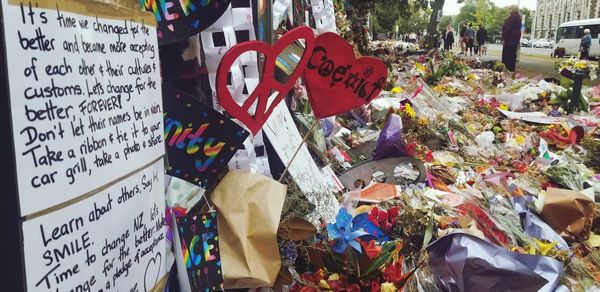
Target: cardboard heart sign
{"x":178,"y":20}
{"x":267,"y":83}
{"x":336,"y":81}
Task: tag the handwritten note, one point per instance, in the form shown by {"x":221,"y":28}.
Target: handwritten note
{"x":316,"y":185}
{"x":85,"y":98}
{"x":112,"y":241}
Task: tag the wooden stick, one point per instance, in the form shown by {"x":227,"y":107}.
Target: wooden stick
{"x":298,"y":149}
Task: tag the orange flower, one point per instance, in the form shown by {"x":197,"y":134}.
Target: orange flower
{"x":371,"y":248}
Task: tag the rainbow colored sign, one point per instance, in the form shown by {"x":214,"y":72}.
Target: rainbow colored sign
{"x":199,"y":140}
{"x":199,"y":239}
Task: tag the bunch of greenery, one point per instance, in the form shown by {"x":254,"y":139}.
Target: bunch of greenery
{"x":450,"y":67}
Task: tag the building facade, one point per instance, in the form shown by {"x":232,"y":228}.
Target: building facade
{"x":551,"y":13}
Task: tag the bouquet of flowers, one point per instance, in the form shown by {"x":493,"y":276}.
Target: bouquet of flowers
{"x":569,"y":66}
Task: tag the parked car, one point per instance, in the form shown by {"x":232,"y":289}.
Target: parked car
{"x":525,"y":43}
{"x":542,"y":43}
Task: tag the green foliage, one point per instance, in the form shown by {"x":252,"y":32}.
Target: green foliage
{"x":592,"y":145}
{"x":449,"y":67}
{"x":446,"y":20}
{"x":416,"y":21}
{"x":383,"y":258}
{"x":486,"y":13}
{"x":500,"y":67}
{"x":386,"y":15}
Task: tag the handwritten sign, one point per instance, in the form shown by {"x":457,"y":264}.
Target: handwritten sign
{"x":336,"y":81}
{"x":112,"y":241}
{"x":85,"y":97}
{"x":316,"y":185}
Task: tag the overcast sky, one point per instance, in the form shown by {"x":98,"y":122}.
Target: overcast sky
{"x":452,"y":8}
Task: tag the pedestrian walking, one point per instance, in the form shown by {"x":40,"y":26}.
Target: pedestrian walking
{"x":482,"y":40}
{"x":470,"y":35}
{"x":586,"y":43}
{"x":511,"y":36}
{"x":462,"y":37}
{"x":448,"y":38}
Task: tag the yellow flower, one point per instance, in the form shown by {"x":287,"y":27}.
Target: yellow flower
{"x":388,"y":287}
{"x":363,"y":209}
{"x":397,"y":89}
{"x":472,"y":76}
{"x":545,"y":247}
{"x":580,"y":65}
{"x":503,"y":106}
{"x":334,"y":277}
{"x":323,"y":284}
{"x":520,"y":139}
{"x":422,"y":121}
{"x":408,"y":110}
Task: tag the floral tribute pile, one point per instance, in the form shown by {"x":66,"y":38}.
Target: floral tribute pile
{"x":507,"y":172}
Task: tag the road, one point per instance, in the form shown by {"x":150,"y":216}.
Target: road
{"x":533,"y":61}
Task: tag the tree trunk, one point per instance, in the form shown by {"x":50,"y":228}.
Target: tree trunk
{"x":438,"y":5}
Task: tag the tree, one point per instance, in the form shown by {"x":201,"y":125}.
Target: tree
{"x":466,"y":13}
{"x":436,"y":7}
{"x":446,"y":20}
{"x":416,"y":21}
{"x":484,"y":12}
{"x":386,"y":15}
{"x":359,"y":13}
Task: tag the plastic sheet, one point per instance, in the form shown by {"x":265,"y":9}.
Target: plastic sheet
{"x":464,"y":262}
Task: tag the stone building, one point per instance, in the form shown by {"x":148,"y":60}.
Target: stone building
{"x":551,"y":13}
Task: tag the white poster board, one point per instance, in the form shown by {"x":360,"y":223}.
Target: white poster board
{"x":111,"y":241}
{"x":314,"y":183}
{"x":85,"y":96}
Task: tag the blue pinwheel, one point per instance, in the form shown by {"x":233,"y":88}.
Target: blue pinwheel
{"x":341,"y":232}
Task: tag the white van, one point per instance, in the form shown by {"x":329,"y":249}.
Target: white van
{"x":569,"y":36}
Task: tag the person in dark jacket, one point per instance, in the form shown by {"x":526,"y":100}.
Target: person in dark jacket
{"x":586,"y":43}
{"x":511,"y":37}
{"x":448,"y":38}
{"x":482,"y":40}
{"x":470,"y":35}
{"x":462,"y":37}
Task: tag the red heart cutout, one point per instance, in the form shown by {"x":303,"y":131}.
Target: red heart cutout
{"x":336,"y":81}
{"x":267,"y":83}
